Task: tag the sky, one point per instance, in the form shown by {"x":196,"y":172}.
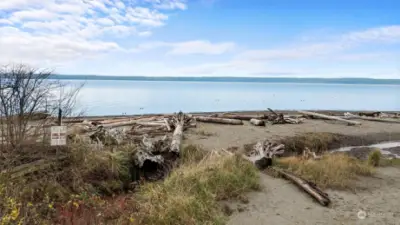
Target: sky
{"x":246,"y":38}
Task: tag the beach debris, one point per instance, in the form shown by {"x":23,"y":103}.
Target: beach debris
{"x":370,"y":114}
{"x":276,"y":118}
{"x":349,"y":122}
{"x":383,"y":120}
{"x":257,"y":122}
{"x":208,"y":119}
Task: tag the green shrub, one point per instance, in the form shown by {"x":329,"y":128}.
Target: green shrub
{"x":374,"y":158}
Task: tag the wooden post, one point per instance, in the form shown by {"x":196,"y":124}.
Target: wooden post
{"x":59,"y":116}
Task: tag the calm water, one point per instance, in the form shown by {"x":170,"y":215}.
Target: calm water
{"x":141,"y":97}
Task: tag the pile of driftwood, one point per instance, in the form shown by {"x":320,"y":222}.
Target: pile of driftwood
{"x":256,"y":120}
{"x":157,"y":139}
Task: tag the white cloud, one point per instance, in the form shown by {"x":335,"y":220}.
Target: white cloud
{"x":344,"y":42}
{"x":62,"y":30}
{"x":145,"y":33}
{"x":168,"y":4}
{"x":380,"y":34}
{"x":39,"y":14}
{"x":200,"y":47}
{"x":6,"y":22}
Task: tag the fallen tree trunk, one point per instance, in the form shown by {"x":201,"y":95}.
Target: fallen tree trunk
{"x":383,"y":120}
{"x":307,"y":186}
{"x":120,"y":124}
{"x":205,"y":119}
{"x":114,"y":121}
{"x":241,"y":117}
{"x":349,"y":122}
{"x":179,"y":122}
{"x":257,"y":122}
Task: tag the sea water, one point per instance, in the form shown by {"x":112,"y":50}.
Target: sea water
{"x":117,"y":97}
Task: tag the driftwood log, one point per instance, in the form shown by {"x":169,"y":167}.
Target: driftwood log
{"x":309,"y":187}
{"x":257,"y":122}
{"x":349,"y":122}
{"x":242,"y":117}
{"x":179,"y":121}
{"x":205,"y":119}
{"x":382,"y":120}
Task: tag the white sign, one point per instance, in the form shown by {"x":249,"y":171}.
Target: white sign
{"x":58,"y":135}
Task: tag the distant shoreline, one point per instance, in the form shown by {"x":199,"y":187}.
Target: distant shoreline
{"x":235,"y":79}
{"x":244,"y":112}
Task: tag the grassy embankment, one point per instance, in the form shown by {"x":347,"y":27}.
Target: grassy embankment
{"x":81,"y":186}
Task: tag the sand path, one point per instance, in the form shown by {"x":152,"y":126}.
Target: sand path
{"x":282,"y":203}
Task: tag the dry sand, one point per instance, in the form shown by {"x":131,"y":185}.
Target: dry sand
{"x":213,"y":136}
{"x":282,"y":203}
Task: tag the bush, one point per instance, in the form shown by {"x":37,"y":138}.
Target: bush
{"x":374,"y":158}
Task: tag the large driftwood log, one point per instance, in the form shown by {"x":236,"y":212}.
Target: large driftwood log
{"x":242,"y":117}
{"x":119,"y":124}
{"x":349,"y":122}
{"x":179,"y":121}
{"x":257,"y":122}
{"x":205,"y":119}
{"x":382,"y":120}
{"x":307,"y":186}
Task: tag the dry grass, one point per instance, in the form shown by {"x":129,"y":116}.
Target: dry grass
{"x":77,"y":189}
{"x":337,"y":171}
{"x":191,"y":194}
{"x":49,"y":177}
{"x":319,"y":142}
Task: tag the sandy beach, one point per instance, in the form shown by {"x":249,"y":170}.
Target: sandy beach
{"x":282,"y":203}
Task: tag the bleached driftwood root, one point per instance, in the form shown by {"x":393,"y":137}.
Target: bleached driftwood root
{"x":307,"y":154}
{"x":263,"y":152}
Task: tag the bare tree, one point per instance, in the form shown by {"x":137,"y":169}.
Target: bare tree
{"x":27,"y":94}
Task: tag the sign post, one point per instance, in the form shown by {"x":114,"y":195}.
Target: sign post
{"x":58,"y":135}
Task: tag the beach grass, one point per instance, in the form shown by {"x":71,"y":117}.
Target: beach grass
{"x":191,"y":194}
{"x":336,"y":171}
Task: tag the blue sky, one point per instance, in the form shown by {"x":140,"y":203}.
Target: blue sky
{"x":286,"y":38}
